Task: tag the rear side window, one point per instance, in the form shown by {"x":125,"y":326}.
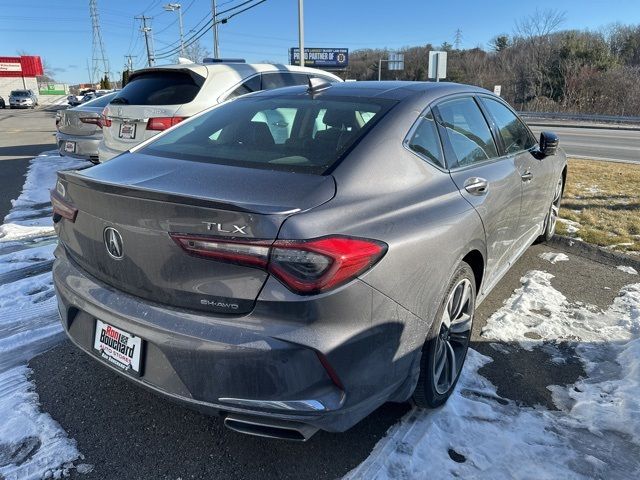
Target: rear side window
{"x":425,"y":140}
{"x":467,"y":131}
{"x":253,"y":84}
{"x":158,"y":88}
{"x":274,"y":133}
{"x":515,"y":136}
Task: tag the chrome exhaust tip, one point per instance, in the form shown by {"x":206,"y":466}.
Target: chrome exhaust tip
{"x":270,"y":428}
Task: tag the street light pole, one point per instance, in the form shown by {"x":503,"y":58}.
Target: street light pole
{"x":176,"y":7}
{"x":301,"y":31}
{"x":214,"y":15}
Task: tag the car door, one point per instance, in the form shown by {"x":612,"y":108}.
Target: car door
{"x":519,"y":143}
{"x":489,"y":182}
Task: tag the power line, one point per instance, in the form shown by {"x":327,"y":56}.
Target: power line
{"x":204,"y":29}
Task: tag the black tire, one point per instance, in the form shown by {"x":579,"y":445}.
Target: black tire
{"x":551,"y":219}
{"x":430,"y":392}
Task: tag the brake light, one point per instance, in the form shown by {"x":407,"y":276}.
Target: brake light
{"x":62,"y":208}
{"x":162,"y":123}
{"x":105,"y":121}
{"x":91,"y":120}
{"x":303,"y":266}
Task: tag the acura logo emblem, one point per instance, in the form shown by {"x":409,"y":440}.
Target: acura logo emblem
{"x":113,"y":242}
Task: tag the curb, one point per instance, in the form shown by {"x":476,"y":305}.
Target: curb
{"x":593,"y":252}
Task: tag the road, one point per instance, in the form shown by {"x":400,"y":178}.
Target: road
{"x":23,"y":135}
{"x":597,"y":143}
{"x":127,"y":432}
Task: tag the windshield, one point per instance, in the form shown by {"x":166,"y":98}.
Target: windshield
{"x":19,"y":93}
{"x":158,"y":88}
{"x":298,"y":134}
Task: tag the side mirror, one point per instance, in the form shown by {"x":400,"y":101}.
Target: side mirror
{"x":548,"y":143}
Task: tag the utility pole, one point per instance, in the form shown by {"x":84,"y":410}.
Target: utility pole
{"x":147,"y":32}
{"x":98,"y":56}
{"x":176,"y":7}
{"x":301,"y":31}
{"x":214,"y":16}
{"x":130,"y":61}
{"x":457,"y":42}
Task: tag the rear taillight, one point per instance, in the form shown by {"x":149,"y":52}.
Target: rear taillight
{"x":303,"y":266}
{"x":105,"y":121}
{"x":91,"y":120}
{"x":62,"y":208}
{"x":162,"y":123}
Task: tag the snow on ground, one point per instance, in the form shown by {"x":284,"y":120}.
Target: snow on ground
{"x":554,"y":257}
{"x":570,"y":225}
{"x":595,"y":433}
{"x":626,"y":269}
{"x":32,"y":444}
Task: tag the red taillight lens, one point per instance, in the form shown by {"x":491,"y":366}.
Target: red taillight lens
{"x":162,"y":123}
{"x":305,"y":267}
{"x":62,"y":208}
{"x":91,"y":120}
{"x":105,"y":121}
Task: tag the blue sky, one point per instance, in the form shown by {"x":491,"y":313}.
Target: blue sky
{"x":60,"y":31}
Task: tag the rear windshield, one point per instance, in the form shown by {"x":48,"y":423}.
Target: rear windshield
{"x":298,"y":134}
{"x":101,"y":101}
{"x":158,"y":88}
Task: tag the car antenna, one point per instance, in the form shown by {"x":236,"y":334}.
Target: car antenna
{"x":317,"y":85}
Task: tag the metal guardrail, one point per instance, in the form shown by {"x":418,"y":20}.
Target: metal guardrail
{"x":582,"y":117}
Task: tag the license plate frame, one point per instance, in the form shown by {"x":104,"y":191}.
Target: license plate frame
{"x":116,"y":352}
{"x":127,"y":130}
{"x":70,"y":147}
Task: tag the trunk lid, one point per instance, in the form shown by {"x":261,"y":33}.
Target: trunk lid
{"x":154,"y":196}
{"x":70,"y":123}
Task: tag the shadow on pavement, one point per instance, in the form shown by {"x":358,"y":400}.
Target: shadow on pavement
{"x":18,"y":151}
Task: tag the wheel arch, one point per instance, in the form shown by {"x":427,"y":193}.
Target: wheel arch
{"x":475,"y":259}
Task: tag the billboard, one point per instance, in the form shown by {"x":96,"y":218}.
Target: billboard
{"x":10,"y":67}
{"x":326,"y":58}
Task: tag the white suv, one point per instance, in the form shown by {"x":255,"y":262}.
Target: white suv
{"x":158,"y":98}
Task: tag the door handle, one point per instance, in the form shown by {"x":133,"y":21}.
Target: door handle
{"x":476,"y":186}
{"x":526,"y":176}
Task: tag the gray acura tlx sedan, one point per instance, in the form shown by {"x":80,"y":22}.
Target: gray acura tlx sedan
{"x":292,"y":259}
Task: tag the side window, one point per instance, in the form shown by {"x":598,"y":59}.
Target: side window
{"x":250,"y":85}
{"x":425,"y":140}
{"x":282,"y":79}
{"x":515,"y":135}
{"x":467,"y":131}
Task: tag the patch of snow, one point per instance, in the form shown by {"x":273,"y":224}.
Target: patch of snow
{"x":626,"y":269}
{"x":476,"y":434}
{"x":570,"y":225}
{"x":32,"y":444}
{"x":554,"y":257}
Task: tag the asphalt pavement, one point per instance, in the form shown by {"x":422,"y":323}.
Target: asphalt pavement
{"x":611,"y":144}
{"x":23,"y":135}
{"x":127,"y":432}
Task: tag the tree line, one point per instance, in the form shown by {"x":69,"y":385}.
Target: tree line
{"x":539,"y":67}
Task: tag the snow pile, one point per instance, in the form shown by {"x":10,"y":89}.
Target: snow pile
{"x":554,"y":257}
{"x":626,"y":269}
{"x":594,"y":434}
{"x":32,"y":444}
{"x":570,"y":225}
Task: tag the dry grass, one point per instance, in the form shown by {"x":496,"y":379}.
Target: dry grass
{"x":604,"y":199}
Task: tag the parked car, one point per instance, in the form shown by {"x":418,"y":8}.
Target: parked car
{"x":2,"y":104}
{"x":80,"y":128}
{"x":22,"y":99}
{"x":295,"y":275}
{"x":157,"y":98}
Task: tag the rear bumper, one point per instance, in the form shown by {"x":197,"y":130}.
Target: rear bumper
{"x":105,"y":153}
{"x":265,"y":364}
{"x":86,"y":147}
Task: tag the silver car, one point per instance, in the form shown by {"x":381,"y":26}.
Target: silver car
{"x":80,"y":128}
{"x":23,"y":99}
{"x":292,"y":259}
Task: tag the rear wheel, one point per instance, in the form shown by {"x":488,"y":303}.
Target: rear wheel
{"x":552,"y":215}
{"x":445,"y":350}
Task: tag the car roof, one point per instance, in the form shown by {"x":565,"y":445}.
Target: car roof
{"x":393,"y":90}
{"x":245,"y":69}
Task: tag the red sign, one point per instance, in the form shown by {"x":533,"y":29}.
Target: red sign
{"x":23,"y":66}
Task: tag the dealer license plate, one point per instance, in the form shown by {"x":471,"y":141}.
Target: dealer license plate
{"x":127,"y":130}
{"x":118,"y":347}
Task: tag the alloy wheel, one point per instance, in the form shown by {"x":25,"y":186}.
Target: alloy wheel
{"x":453,"y":339}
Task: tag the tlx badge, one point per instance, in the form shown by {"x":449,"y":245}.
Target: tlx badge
{"x":220,"y":228}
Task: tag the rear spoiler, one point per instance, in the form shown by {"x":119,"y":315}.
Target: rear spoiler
{"x":197,"y":78}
